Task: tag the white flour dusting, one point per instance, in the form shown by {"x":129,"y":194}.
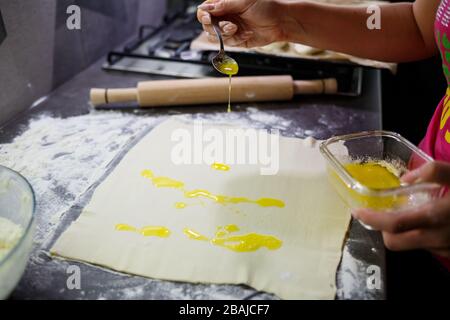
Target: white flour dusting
{"x":275,"y":121}
{"x":62,"y":158}
{"x":352,"y":270}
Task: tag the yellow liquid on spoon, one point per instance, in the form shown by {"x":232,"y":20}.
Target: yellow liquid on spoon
{"x":230,"y":69}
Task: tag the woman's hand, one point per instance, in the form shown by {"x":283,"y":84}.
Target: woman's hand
{"x":426,"y":227}
{"x":248,"y":23}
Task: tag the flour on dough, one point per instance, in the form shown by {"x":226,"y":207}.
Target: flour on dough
{"x":312,"y":224}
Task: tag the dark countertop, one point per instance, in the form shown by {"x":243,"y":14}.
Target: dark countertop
{"x":326,"y":115}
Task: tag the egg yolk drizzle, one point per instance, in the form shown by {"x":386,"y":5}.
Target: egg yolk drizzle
{"x":220,"y":166}
{"x":194,"y":235}
{"x":223,"y":238}
{"x":165,"y":182}
{"x":147,"y":231}
{"x":238,"y":243}
{"x":180,"y":205}
{"x":162,"y":182}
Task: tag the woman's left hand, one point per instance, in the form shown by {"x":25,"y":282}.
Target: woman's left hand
{"x":426,"y":227}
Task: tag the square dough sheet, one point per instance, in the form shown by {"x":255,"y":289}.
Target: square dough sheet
{"x":309,"y":229}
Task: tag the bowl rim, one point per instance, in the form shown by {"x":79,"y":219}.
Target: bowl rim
{"x":359,"y":187}
{"x":30,"y":222}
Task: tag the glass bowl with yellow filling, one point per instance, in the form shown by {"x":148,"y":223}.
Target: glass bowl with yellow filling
{"x":17,"y":206}
{"x":365,"y":169}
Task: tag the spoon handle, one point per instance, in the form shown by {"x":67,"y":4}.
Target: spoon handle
{"x":215,"y":24}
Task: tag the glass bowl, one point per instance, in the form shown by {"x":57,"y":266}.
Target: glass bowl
{"x":17,"y":204}
{"x":379,"y":147}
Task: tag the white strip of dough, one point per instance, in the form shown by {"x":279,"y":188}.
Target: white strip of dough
{"x":312,"y":225}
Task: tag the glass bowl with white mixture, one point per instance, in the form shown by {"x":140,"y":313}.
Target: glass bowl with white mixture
{"x":17,"y":206}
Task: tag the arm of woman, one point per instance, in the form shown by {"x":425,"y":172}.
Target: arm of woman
{"x":406,"y":34}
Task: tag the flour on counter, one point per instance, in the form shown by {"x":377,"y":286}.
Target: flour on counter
{"x":10,"y":234}
{"x":351,"y":270}
{"x":62,"y":158}
{"x":252,"y":118}
{"x":276,"y":121}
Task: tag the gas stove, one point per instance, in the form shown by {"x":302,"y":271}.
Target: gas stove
{"x":165,"y":50}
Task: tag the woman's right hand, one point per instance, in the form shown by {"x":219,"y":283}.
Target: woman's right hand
{"x":247,"y":23}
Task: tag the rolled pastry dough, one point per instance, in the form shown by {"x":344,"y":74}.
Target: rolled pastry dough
{"x":312,"y":225}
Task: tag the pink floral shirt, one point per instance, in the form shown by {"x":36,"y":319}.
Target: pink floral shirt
{"x":437,"y":139}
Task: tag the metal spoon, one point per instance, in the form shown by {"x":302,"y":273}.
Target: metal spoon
{"x":222,"y":62}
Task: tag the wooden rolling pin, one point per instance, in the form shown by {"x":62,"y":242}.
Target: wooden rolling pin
{"x":212,"y":90}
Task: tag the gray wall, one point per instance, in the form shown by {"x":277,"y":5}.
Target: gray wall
{"x":40,"y":53}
